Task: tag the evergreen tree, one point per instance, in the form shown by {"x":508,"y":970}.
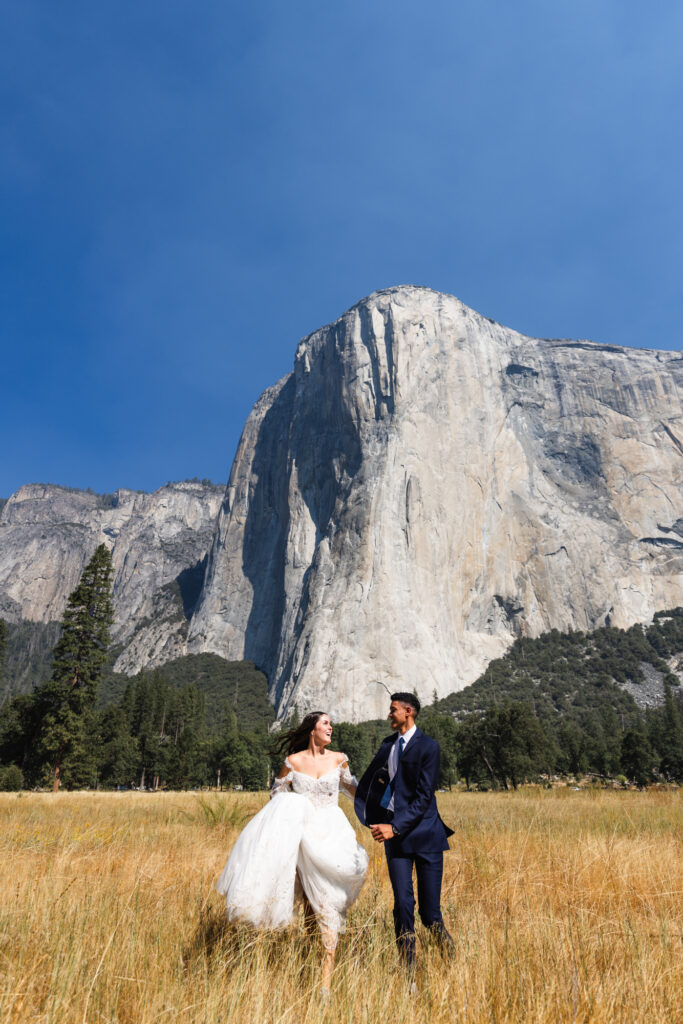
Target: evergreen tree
{"x":573,"y":757}
{"x":444,"y":730}
{"x":18,"y":727}
{"x":469,"y":759}
{"x":150,"y":711}
{"x":243,"y":758}
{"x":518,"y":747}
{"x":120,"y":754}
{"x":67,"y":733}
{"x":636,"y":757}
{"x":671,"y":763}
{"x":81,"y":650}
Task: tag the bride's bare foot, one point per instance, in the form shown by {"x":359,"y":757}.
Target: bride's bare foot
{"x":328,"y":963}
{"x":328,"y":960}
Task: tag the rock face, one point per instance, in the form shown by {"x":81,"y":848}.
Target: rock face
{"x":158,"y":542}
{"x":422,"y":488}
{"x":425,"y":486}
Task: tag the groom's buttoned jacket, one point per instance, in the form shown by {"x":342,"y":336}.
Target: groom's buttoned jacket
{"x":416,"y":816}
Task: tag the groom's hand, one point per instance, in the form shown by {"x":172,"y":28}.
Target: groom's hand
{"x":382,"y":832}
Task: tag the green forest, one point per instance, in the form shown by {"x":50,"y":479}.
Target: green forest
{"x":552,"y":707}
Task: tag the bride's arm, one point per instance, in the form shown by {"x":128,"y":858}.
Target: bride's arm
{"x":348,"y":782}
{"x":283,"y":783}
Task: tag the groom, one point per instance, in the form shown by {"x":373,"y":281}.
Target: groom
{"x":395,"y":799}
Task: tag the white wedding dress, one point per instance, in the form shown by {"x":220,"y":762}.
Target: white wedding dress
{"x":301,"y":839}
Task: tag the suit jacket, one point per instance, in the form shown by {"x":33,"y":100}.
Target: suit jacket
{"x":416,"y":816}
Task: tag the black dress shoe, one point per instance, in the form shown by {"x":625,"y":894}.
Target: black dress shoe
{"x":406,"y":949}
{"x":439,"y":934}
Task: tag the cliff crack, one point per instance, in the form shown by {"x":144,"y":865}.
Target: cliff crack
{"x":673,"y":437}
{"x":550,"y":554}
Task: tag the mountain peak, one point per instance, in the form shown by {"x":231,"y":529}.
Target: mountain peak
{"x":426,"y":486}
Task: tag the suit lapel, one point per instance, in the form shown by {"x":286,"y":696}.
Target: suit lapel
{"x":408,"y":757}
{"x":411,"y":751}
{"x":382,"y":755}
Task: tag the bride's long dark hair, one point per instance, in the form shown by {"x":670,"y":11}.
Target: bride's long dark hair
{"x":296,"y":739}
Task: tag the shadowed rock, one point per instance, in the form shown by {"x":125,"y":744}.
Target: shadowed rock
{"x":159,"y":544}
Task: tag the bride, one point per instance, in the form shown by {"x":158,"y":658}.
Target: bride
{"x":300,"y":845}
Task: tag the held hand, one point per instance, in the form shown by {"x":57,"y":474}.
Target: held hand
{"x":381,"y":833}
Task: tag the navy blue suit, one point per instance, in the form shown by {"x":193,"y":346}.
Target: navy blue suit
{"x":422,"y":834}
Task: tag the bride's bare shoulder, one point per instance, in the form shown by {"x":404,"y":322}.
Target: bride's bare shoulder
{"x":295,"y":760}
{"x":341,"y":758}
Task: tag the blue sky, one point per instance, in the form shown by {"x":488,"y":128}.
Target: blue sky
{"x":186,"y":189}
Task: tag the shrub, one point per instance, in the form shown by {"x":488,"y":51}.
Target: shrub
{"x":11,"y":778}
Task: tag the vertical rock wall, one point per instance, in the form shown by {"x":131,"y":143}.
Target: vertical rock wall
{"x":425,"y":486}
{"x":159,"y":543}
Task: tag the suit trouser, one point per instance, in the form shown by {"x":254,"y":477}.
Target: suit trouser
{"x":429,"y":871}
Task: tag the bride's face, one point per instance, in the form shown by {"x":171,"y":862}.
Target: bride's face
{"x":322,"y":734}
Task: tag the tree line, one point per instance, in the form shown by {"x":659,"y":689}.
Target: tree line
{"x":154,"y":733}
{"x":553,"y":706}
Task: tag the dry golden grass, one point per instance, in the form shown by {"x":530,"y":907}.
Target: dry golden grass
{"x":565,"y":906}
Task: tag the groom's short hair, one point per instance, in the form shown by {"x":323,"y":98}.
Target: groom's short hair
{"x":408,"y":698}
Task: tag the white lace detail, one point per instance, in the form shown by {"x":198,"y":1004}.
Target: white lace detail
{"x":348,"y":781}
{"x":282,"y":785}
{"x":322,"y":791}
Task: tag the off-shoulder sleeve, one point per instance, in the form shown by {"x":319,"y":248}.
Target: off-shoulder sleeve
{"x":348,"y":783}
{"x":282,"y":785}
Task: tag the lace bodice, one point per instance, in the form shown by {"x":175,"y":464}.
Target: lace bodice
{"x":321,"y":792}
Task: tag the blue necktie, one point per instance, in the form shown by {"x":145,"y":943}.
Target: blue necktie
{"x":389,"y":791}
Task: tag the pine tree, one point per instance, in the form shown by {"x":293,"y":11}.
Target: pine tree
{"x":672,"y":737}
{"x":636,"y":757}
{"x":67,"y":702}
{"x":81,"y":651}
{"x":119,"y":752}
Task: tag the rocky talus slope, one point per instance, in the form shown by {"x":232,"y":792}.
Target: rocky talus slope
{"x":158,"y":542}
{"x":425,"y":486}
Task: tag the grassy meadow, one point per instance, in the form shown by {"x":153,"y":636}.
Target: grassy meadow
{"x":565,"y":906}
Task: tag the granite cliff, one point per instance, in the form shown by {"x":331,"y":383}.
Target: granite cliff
{"x":425,"y":486}
{"x":158,"y":543}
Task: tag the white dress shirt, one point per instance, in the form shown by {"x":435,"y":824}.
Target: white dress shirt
{"x":393,"y":757}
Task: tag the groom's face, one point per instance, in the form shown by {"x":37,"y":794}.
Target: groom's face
{"x":398,"y":714}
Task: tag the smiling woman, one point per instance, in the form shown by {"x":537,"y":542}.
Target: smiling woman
{"x":300,"y":847}
{"x":316,"y":728}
